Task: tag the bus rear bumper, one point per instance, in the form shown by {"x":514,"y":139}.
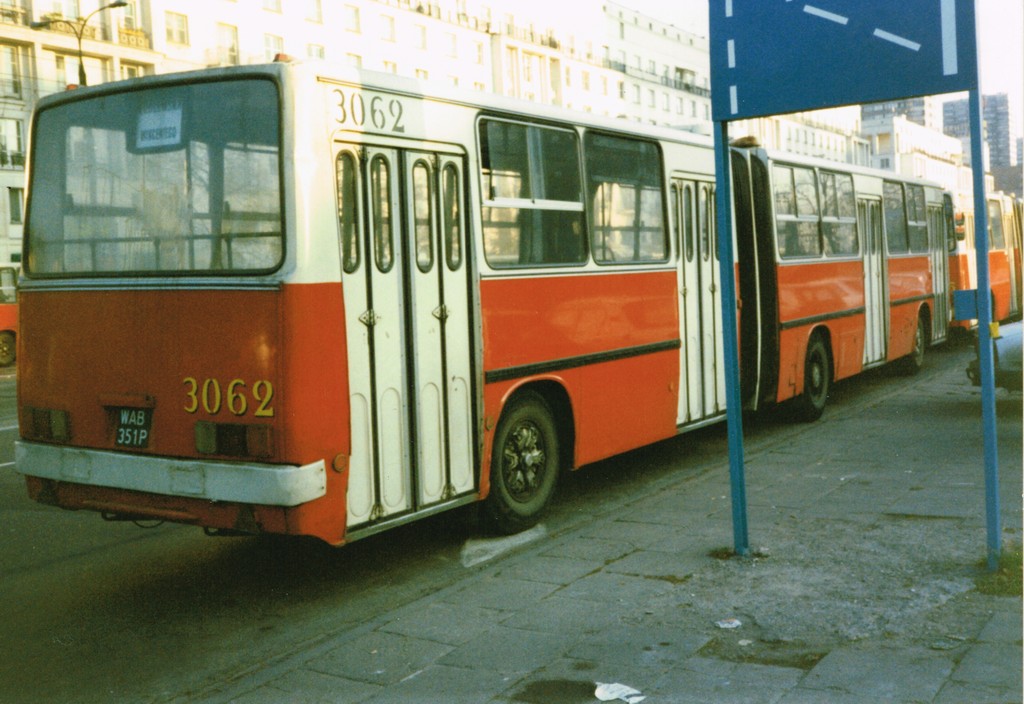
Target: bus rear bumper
{"x":250,"y":483}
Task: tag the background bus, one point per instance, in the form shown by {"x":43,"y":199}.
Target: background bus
{"x":1004,"y":257}
{"x":326,"y":302}
{"x":8,"y":315}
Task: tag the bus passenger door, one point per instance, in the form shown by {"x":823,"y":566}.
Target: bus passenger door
{"x":701,"y":395}
{"x":439,"y":325}
{"x":369,"y":188}
{"x":937,"y":234}
{"x":876,"y":298}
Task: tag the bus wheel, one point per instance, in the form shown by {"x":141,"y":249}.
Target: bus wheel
{"x":817,"y":377}
{"x":7,"y":349}
{"x":524,"y":465}
{"x":912,"y":363}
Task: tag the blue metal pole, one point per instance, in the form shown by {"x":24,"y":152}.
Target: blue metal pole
{"x":988,"y":388}
{"x":730,"y":339}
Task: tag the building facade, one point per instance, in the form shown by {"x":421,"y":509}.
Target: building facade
{"x":603,"y":58}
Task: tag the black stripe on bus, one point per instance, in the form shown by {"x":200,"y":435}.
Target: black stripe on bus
{"x":912,"y":299}
{"x":788,"y":324}
{"x":581,"y":361}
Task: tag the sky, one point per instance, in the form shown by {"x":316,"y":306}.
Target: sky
{"x":1000,"y":39}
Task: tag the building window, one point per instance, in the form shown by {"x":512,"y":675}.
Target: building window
{"x":636,"y":93}
{"x":16,"y":197}
{"x":177,"y":28}
{"x":10,"y":71}
{"x":452,"y":45}
{"x":454,"y":81}
{"x":480,"y":53}
{"x":314,"y":11}
{"x":422,"y":74}
{"x":354,"y":60}
{"x":129,"y":19}
{"x":652,"y":100}
{"x":68,"y":9}
{"x":12,"y":150}
{"x":227,"y":44}
{"x":352,"y":18}
{"x":479,"y":86}
{"x":586,"y":80}
{"x":129,"y":71}
{"x":387,"y":32}
{"x":272,"y":46}
{"x":315,"y":51}
{"x":272,"y":5}
{"x":421,"y":37}
{"x":390,"y":67}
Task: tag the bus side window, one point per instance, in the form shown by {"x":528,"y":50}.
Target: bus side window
{"x":422,"y":210}
{"x":796,"y":212}
{"x":917,"y":222}
{"x":895,"y":218}
{"x":838,"y":214}
{"x":348,"y":211}
{"x":532,"y":208}
{"x":451,"y":216}
{"x":624,"y":188}
{"x":996,"y":240}
{"x":380,"y":202}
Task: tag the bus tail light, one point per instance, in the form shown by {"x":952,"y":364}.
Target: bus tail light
{"x":47,"y":425}
{"x":234,"y":439}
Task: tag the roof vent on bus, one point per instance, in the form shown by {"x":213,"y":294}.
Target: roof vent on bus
{"x":282,"y":58}
{"x":748,"y":142}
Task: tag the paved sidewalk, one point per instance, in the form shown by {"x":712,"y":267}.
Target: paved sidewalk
{"x":868,"y":528}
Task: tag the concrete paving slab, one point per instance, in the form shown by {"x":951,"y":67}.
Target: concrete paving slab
{"x":510,"y":650}
{"x":496,"y":592}
{"x":551,"y":570}
{"x":560,"y":614}
{"x":990,"y":664}
{"x":961,"y":693}
{"x":437,"y":684}
{"x":443,"y":622}
{"x":309,"y":687}
{"x":1005,"y":624}
{"x":726,"y":683}
{"x":610,"y":588}
{"x":887,"y":675}
{"x":379,"y":658}
{"x":642,"y":645}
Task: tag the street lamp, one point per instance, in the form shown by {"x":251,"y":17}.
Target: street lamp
{"x":78,"y":27}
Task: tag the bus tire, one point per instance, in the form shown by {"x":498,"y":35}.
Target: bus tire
{"x":817,"y":379}
{"x":913,"y":362}
{"x":524,"y":465}
{"x":8,"y":348}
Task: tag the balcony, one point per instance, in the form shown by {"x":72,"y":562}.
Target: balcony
{"x":129,"y":36}
{"x":13,"y":15}
{"x":58,"y":23}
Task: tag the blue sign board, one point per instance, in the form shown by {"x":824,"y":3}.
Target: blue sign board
{"x":771,"y":57}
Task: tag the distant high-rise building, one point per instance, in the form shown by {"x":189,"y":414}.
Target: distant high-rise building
{"x":923,"y":111}
{"x":997,"y":113}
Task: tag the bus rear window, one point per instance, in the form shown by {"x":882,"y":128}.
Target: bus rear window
{"x":168,"y":181}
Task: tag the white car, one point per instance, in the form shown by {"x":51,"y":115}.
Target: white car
{"x":1007,"y":356}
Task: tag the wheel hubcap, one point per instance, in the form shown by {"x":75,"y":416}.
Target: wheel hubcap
{"x":523,"y":461}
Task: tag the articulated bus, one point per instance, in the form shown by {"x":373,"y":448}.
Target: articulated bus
{"x":327,"y":302}
{"x":1004,"y":258}
{"x":8,"y":315}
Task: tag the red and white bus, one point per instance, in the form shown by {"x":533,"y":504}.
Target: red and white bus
{"x":1004,"y":258}
{"x":840,"y":269}
{"x":281,"y":299}
{"x":8,"y":315}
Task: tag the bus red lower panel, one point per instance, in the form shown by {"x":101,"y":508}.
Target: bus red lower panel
{"x":610,"y":341}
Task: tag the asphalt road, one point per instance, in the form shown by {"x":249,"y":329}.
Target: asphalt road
{"x":112,"y":612}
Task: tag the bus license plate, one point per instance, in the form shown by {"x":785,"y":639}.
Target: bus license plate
{"x":133,"y":426}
